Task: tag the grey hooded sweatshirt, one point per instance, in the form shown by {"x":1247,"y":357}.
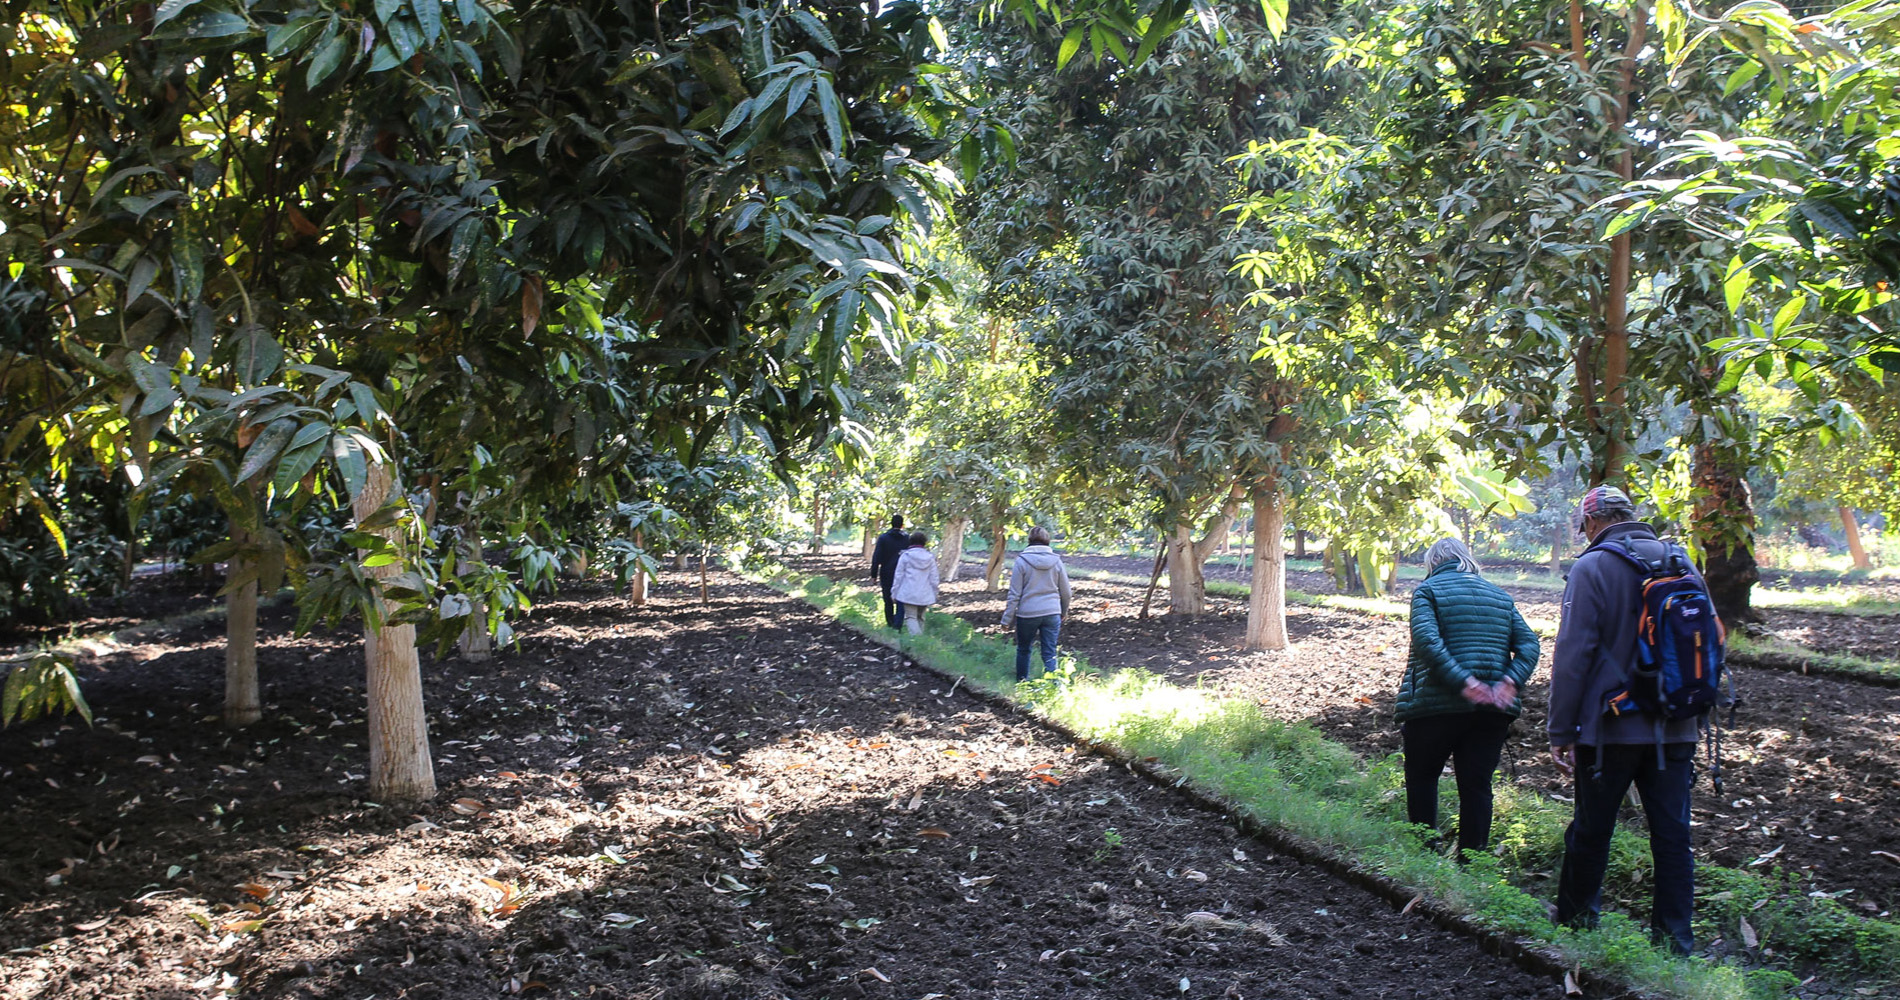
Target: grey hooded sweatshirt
{"x":1038,"y":586}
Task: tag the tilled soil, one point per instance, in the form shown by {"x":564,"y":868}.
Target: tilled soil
{"x":150,"y":597}
{"x":741,"y":800}
{"x":1811,"y":768}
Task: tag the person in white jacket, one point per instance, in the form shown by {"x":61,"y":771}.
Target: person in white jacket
{"x":1038,"y":600}
{"x":915,"y":583}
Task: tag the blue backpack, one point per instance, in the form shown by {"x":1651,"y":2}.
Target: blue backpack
{"x":1680,"y":648}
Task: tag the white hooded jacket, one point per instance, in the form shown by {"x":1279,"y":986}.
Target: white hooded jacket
{"x":916,"y":579}
{"x":1038,"y":586}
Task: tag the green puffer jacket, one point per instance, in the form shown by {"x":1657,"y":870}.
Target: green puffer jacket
{"x":1463,"y":626}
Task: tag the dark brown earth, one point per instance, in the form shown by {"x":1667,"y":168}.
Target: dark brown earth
{"x":149,"y":598}
{"x":1811,"y":768}
{"x":745,"y":800}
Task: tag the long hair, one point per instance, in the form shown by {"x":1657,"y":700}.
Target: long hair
{"x":1451,"y":550}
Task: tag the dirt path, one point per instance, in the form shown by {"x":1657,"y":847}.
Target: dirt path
{"x":745,"y":800}
{"x":1811,"y":768}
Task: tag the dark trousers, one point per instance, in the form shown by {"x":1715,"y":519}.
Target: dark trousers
{"x":1473,"y":742}
{"x":1030,"y":631}
{"x":1602,"y":779}
{"x":893,"y":611}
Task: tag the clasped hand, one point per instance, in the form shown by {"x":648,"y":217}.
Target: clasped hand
{"x":1499,"y":695}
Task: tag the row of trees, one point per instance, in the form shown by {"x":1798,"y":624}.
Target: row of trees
{"x":1375,"y":263}
{"x":428,"y":299}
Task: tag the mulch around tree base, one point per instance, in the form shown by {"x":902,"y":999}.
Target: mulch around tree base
{"x":1811,"y":768}
{"x":745,"y":800}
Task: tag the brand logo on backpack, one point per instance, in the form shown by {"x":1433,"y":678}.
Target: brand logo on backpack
{"x":1679,"y":640}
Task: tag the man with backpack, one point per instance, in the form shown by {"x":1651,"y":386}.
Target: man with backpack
{"x":1633,"y":674}
{"x":890,"y":545}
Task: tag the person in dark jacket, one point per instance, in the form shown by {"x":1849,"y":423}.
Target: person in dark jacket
{"x":1471,"y":653}
{"x":1606,"y":753}
{"x":890,"y":545}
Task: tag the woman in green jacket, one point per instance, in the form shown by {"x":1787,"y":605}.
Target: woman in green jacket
{"x":1471,"y":652}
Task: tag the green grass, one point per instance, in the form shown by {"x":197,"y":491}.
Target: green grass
{"x":1799,"y":655}
{"x":1835,"y":599}
{"x":1289,"y":776}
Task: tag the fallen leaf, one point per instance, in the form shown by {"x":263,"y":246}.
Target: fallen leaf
{"x":1414,"y":902}
{"x":1192,"y":874}
{"x":1763,"y":859}
{"x":467,"y":807}
{"x":916,"y":802}
{"x":151,"y":758}
{"x":510,"y":775}
{"x":92,"y":925}
{"x":1889,"y":855}
{"x":1748,"y":934}
{"x":1571,"y":987}
{"x":931,"y":831}
{"x":257,"y":889}
{"x":1050,"y":779}
{"x":881,"y":977}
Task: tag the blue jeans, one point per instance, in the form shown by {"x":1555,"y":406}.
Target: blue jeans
{"x":1600,"y":787}
{"x":1028,"y":630}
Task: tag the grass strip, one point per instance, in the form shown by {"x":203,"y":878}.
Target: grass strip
{"x":1288,"y":777}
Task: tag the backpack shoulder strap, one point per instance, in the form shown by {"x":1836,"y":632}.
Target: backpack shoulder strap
{"x":1622,"y":547}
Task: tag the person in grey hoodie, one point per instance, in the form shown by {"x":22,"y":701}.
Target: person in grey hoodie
{"x":1594,"y":656}
{"x":1038,"y":600}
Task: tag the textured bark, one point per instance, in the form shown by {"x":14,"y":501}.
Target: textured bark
{"x":400,"y":769}
{"x":870,"y":543}
{"x":681,"y":561}
{"x":1266,"y":601}
{"x":1724,"y":523}
{"x":999,"y":550}
{"x":1299,"y":543}
{"x":241,"y":702}
{"x":1161,"y":559}
{"x":818,"y":524}
{"x":1852,"y":529}
{"x":1187,"y":558}
{"x":1559,"y":536}
{"x":950,"y":550}
{"x":637,"y":587}
{"x":705,"y":595}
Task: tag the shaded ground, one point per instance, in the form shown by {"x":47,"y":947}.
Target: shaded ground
{"x":150,"y":597}
{"x":745,"y":800}
{"x":1812,"y":768}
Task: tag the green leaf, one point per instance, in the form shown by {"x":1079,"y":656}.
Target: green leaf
{"x":834,"y":117}
{"x":1071,"y":44}
{"x":1887,"y":360}
{"x":429,"y":15}
{"x":284,"y":38}
{"x":1828,"y":217}
{"x":170,"y":9}
{"x":1624,"y":222}
{"x":297,"y":463}
{"x":258,"y":357}
{"x":1735,"y":285}
{"x":328,"y":56}
{"x":939,"y":36}
{"x":1275,"y":11}
{"x":1785,"y":316}
{"x":817,"y":29}
{"x":1741,"y":77}
{"x":265,"y":449}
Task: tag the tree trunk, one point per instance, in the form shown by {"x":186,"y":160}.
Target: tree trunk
{"x":1187,"y":586}
{"x":705,"y":597}
{"x":241,"y":702}
{"x":1161,"y":556}
{"x":818,"y":524}
{"x":870,"y":543}
{"x":681,"y":561}
{"x":475,"y":644}
{"x":1851,"y":527}
{"x":1559,"y":536}
{"x":1187,"y":558}
{"x":400,"y":769}
{"x":1392,"y":573}
{"x":1299,"y":543}
{"x":999,"y":550}
{"x":637,"y":587}
{"x":1266,"y":601}
{"x":576,"y":566}
{"x":1724,"y":524}
{"x":950,"y":552}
